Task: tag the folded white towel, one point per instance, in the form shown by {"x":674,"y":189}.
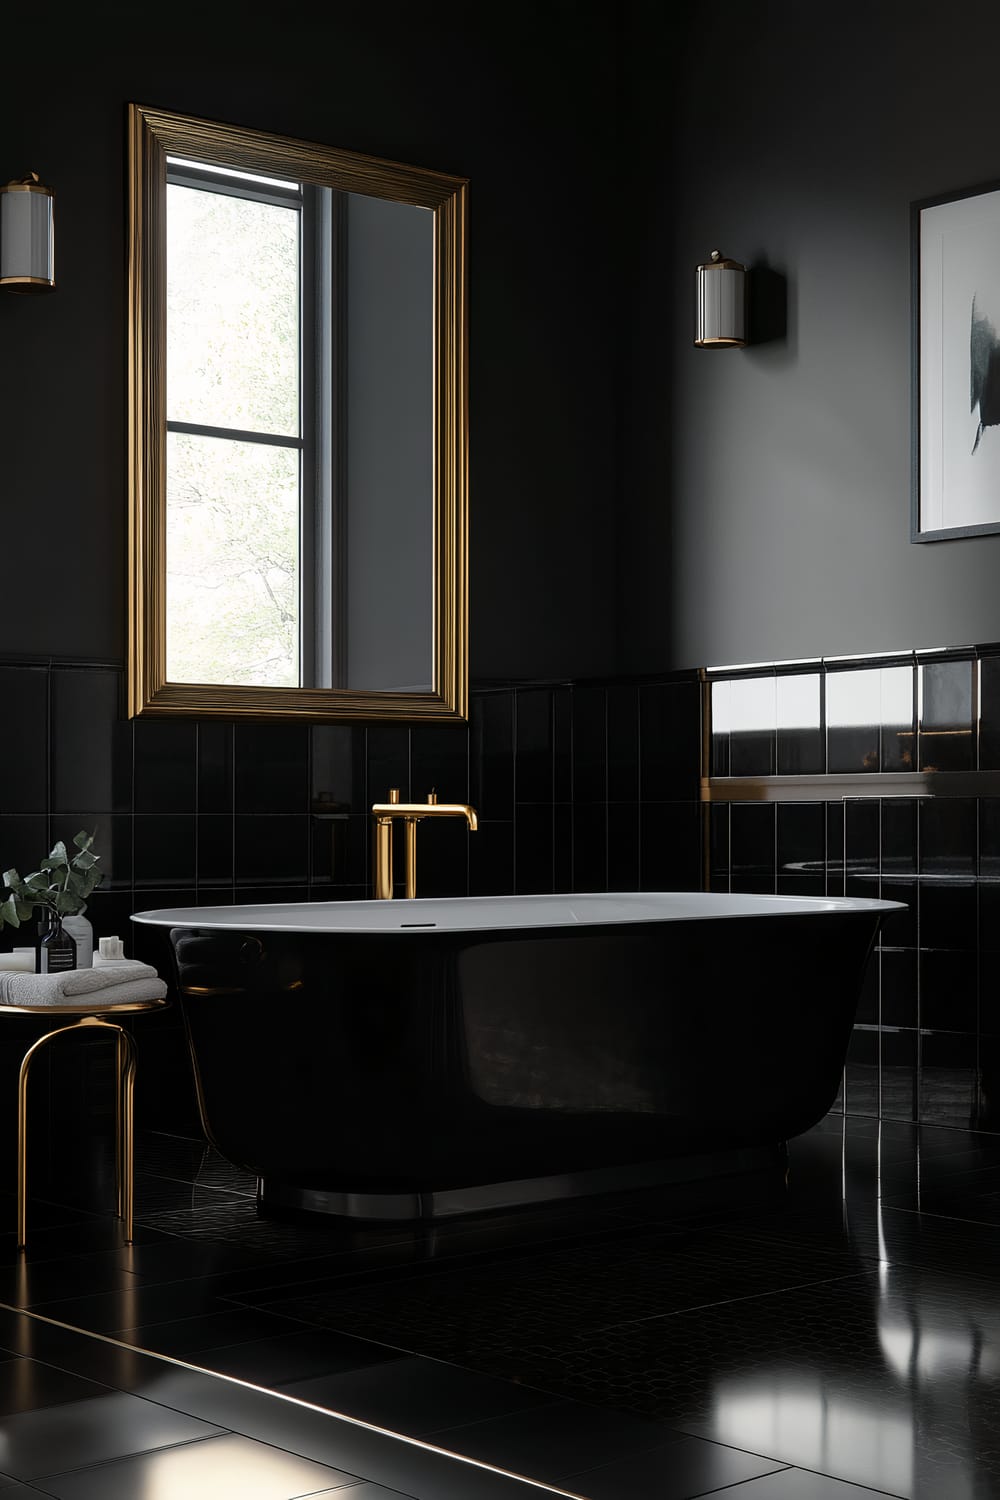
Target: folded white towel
{"x":39,"y":996}
{"x":52,"y":989}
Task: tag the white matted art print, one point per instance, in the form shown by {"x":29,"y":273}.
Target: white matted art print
{"x":956,"y":396}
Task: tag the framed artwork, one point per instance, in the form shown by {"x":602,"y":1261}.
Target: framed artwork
{"x":955,"y":249}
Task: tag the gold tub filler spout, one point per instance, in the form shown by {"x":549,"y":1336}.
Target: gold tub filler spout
{"x":411,"y":813}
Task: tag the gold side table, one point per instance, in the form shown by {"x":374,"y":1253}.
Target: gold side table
{"x":88,"y":1017}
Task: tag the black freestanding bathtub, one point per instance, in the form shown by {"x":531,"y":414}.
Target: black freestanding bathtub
{"x":405,"y":1059}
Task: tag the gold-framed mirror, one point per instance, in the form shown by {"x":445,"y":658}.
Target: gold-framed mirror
{"x":298,"y":429}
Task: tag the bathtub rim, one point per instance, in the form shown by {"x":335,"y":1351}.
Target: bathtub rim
{"x":266,"y":916}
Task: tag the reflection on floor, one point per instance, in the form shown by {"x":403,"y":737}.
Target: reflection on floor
{"x":824,"y":1340}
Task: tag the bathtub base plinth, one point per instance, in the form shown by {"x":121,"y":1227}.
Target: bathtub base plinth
{"x":491,"y":1197}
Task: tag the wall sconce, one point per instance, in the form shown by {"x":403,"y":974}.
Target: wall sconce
{"x":27,"y":249}
{"x":721,"y":304}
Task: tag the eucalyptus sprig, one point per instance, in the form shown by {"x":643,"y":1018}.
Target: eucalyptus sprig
{"x":61,"y":883}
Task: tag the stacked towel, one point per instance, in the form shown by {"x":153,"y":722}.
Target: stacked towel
{"x":120,"y":983}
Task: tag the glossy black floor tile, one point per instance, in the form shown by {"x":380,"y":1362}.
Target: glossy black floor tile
{"x":152,"y":1435}
{"x":185,"y":1336}
{"x":226,"y":1467}
{"x":562,"y":1438}
{"x":676,"y":1471}
{"x":29,"y":1385}
{"x":798,"y":1484}
{"x":413,"y":1395}
{"x":275,"y":1362}
{"x":79,"y":1433}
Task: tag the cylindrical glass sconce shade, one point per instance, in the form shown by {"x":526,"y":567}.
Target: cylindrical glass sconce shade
{"x":721,"y":304}
{"x":27,"y":246}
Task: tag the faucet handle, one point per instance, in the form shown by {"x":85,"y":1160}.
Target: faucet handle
{"x":394,"y":794}
{"x":432,"y":797}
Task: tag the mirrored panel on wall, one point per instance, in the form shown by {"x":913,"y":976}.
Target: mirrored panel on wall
{"x":299,"y":506}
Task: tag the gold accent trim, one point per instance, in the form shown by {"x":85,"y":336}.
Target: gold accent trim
{"x":152,"y":133}
{"x":125,"y":1057}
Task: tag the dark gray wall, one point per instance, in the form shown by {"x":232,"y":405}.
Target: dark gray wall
{"x":767,"y":491}
{"x":518,"y":98}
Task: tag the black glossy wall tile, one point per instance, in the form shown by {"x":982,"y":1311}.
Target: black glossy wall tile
{"x":989,"y":713}
{"x":898,"y":696}
{"x":948,"y":1079}
{"x":899,"y":987}
{"x":533,"y":849}
{"x":492,"y":755}
{"x":24,"y":842}
{"x":24,"y":693}
{"x":163,"y":849}
{"x":861,"y":1081}
{"x":948,"y":914}
{"x":623,"y":846}
{"x":801,"y":838}
{"x":988,"y":892}
{"x":443,"y":856}
{"x":670,"y":847}
{"x":721,"y":695}
{"x":800,"y":747}
{"x":861,"y":837}
{"x":562,"y":744}
{"x":752,"y":840}
{"x":215,"y":768}
{"x":753,"y":726}
{"x":946,"y":716}
{"x":166,"y":766}
{"x":337,"y":769}
{"x":90,"y":746}
{"x":899,"y":928}
{"x":215,"y":850}
{"x":491,"y":860}
{"x":533,"y":750}
{"x":340,"y":848}
{"x":562,"y":850}
{"x":271,"y":764}
{"x":948,"y":836}
{"x":718,"y":848}
{"x":590,"y":746}
{"x":867,"y":1012}
{"x":835,"y":818}
{"x":898,"y":836}
{"x":439,"y":762}
{"x":272,"y":850}
{"x":949,"y":990}
{"x":899,"y":1073}
{"x":623,"y":744}
{"x":853,"y":718}
{"x":989,"y":837}
{"x":670,"y":741}
{"x":590,"y":847}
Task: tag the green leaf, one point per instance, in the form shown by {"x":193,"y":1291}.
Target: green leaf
{"x":58,"y":857}
{"x":9,"y":913}
{"x":84,"y":860}
{"x":83,"y":840}
{"x":11,"y":877}
{"x":67,"y":903}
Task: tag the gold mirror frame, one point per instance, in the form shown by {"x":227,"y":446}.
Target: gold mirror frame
{"x":152,"y":134}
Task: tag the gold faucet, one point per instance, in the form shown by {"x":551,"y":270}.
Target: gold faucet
{"x":411,"y":813}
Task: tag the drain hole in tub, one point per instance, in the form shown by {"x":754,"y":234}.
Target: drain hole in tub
{"x":418,"y":924}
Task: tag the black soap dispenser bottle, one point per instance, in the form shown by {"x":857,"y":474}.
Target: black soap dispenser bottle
{"x":56,"y":950}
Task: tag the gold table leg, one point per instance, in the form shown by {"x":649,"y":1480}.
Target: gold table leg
{"x":124,"y":1120}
